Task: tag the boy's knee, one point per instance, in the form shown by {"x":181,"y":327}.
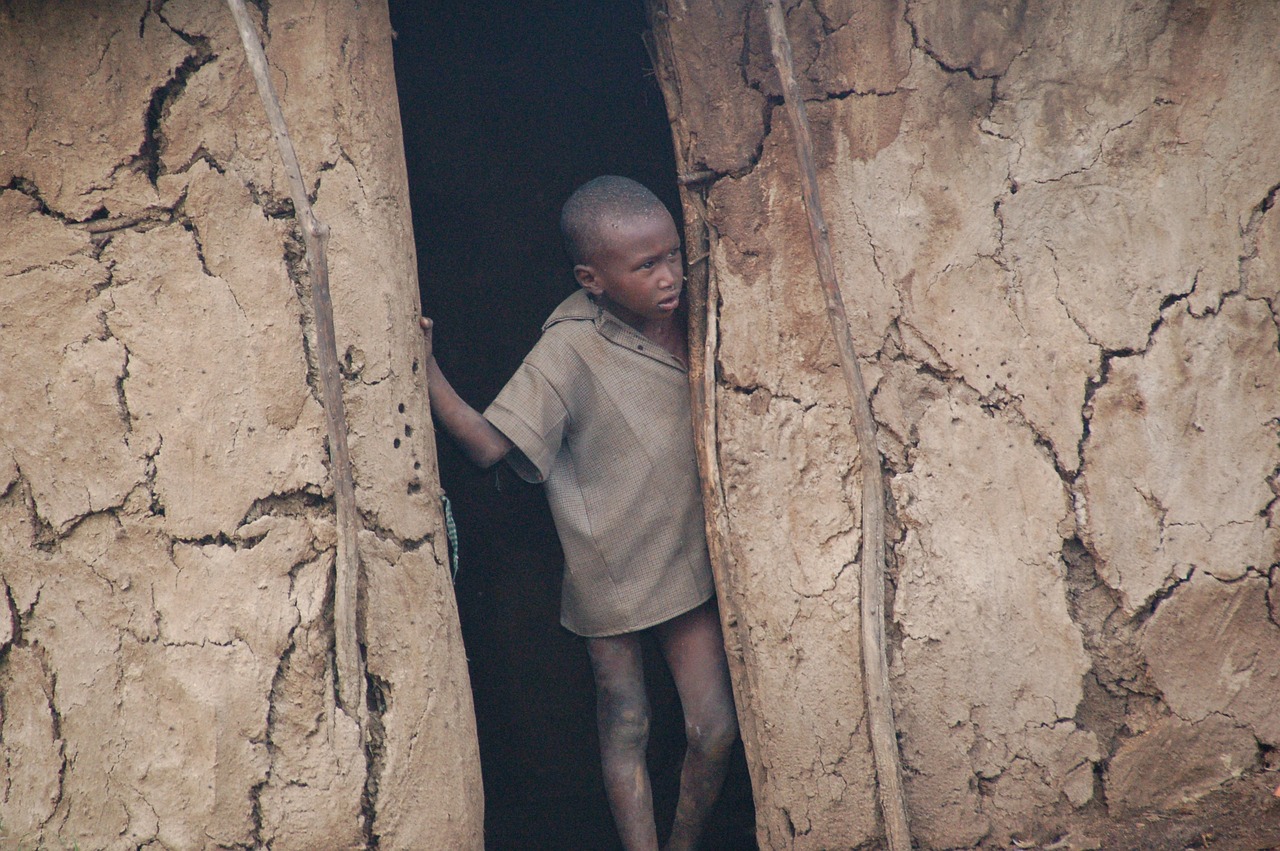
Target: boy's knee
{"x":714,"y":735}
{"x":626,"y":726}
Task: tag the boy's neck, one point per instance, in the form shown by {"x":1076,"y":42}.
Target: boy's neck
{"x":639,"y":323}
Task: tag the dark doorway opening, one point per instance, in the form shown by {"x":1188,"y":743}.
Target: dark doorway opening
{"x":507,"y":107}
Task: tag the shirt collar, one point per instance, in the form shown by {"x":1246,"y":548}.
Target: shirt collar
{"x":580,"y":306}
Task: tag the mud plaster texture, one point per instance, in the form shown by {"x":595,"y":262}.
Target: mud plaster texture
{"x":1054,"y":230}
{"x":166,"y":529}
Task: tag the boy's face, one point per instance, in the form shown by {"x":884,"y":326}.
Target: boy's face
{"x":637,"y":271}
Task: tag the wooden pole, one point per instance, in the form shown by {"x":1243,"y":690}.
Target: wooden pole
{"x":349,"y":666}
{"x":875,"y":664}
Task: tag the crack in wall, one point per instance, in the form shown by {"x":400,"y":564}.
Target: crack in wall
{"x":49,"y":682}
{"x":13,"y":630}
{"x":1100,"y":148}
{"x":1251,"y":235}
{"x":388,"y":536}
{"x":1075,"y":483}
{"x":377,"y":699}
{"x":750,"y":390}
{"x":147,"y":11}
{"x":48,"y":687}
{"x":1273,"y":594}
{"x":1000,"y":399}
{"x":44,"y":537}
{"x":151,"y":152}
{"x":198,"y":42}
{"x":274,"y":696}
{"x":1100,"y":636}
{"x":767,"y":102}
{"x":1108,"y":356}
{"x":263,"y":7}
{"x":122,"y":400}
{"x":296,"y":266}
{"x":188,"y":224}
{"x":921,"y":43}
{"x":302,"y":504}
{"x":28,"y":187}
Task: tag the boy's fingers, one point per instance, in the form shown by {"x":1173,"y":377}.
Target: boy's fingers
{"x":425,"y":324}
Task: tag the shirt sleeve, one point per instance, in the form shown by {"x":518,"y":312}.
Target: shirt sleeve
{"x":532,"y":415}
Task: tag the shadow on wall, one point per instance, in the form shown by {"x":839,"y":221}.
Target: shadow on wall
{"x":506,"y":109}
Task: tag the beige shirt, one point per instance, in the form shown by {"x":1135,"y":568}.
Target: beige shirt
{"x":601,"y":414}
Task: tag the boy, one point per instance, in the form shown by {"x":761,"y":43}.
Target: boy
{"x":599,"y":411}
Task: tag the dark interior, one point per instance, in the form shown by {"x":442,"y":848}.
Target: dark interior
{"x":507,"y":107}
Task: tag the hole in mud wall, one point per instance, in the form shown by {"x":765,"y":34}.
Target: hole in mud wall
{"x":506,"y":109}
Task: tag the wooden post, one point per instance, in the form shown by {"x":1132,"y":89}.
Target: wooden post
{"x":349,"y":665}
{"x":875,"y":665}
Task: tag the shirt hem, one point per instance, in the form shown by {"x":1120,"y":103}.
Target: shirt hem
{"x":645,"y":625}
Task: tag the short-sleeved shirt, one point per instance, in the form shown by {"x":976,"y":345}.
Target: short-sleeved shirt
{"x":600,"y":413}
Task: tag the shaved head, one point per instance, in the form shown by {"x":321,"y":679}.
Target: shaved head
{"x":596,"y":205}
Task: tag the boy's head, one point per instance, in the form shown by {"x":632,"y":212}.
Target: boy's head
{"x":598,"y":206}
{"x":625,"y":249}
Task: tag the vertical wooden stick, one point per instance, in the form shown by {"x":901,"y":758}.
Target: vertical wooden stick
{"x":875,"y":665}
{"x":315,"y":235}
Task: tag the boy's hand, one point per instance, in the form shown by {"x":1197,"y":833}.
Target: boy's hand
{"x":482,"y":443}
{"x":425,"y":324}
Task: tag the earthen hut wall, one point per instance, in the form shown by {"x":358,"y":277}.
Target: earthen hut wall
{"x":166,"y":528}
{"x":1053,"y":225}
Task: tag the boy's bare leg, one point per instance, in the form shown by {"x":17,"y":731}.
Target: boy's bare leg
{"x":694,"y":650}
{"x":622,"y":714}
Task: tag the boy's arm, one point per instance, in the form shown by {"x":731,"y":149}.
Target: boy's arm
{"x":481,"y":442}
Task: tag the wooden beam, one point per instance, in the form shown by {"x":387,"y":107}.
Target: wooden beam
{"x":875,"y":664}
{"x":349,"y":673}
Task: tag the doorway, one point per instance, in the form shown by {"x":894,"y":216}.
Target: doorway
{"x":507,"y":107}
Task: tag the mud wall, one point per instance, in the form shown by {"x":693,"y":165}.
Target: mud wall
{"x":166,"y":530}
{"x":1053,"y":223}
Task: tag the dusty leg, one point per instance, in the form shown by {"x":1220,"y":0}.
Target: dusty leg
{"x":694,"y":650}
{"x":622,"y":714}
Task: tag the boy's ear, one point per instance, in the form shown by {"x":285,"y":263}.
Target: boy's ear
{"x":587,"y":279}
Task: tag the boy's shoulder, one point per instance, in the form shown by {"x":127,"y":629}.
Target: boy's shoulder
{"x":574,"y":326}
{"x":578,"y":306}
{"x":570,"y":339}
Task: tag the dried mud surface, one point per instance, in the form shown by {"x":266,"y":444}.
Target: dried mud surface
{"x":1053,"y":225}
{"x":166,"y":535}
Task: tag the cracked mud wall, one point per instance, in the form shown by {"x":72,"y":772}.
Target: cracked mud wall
{"x":166,"y":530}
{"x":1054,"y":229}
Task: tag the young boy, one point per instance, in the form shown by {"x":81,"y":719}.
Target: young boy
{"x":599,"y":411}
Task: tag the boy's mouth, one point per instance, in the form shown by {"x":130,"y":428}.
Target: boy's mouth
{"x":671,"y":302}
